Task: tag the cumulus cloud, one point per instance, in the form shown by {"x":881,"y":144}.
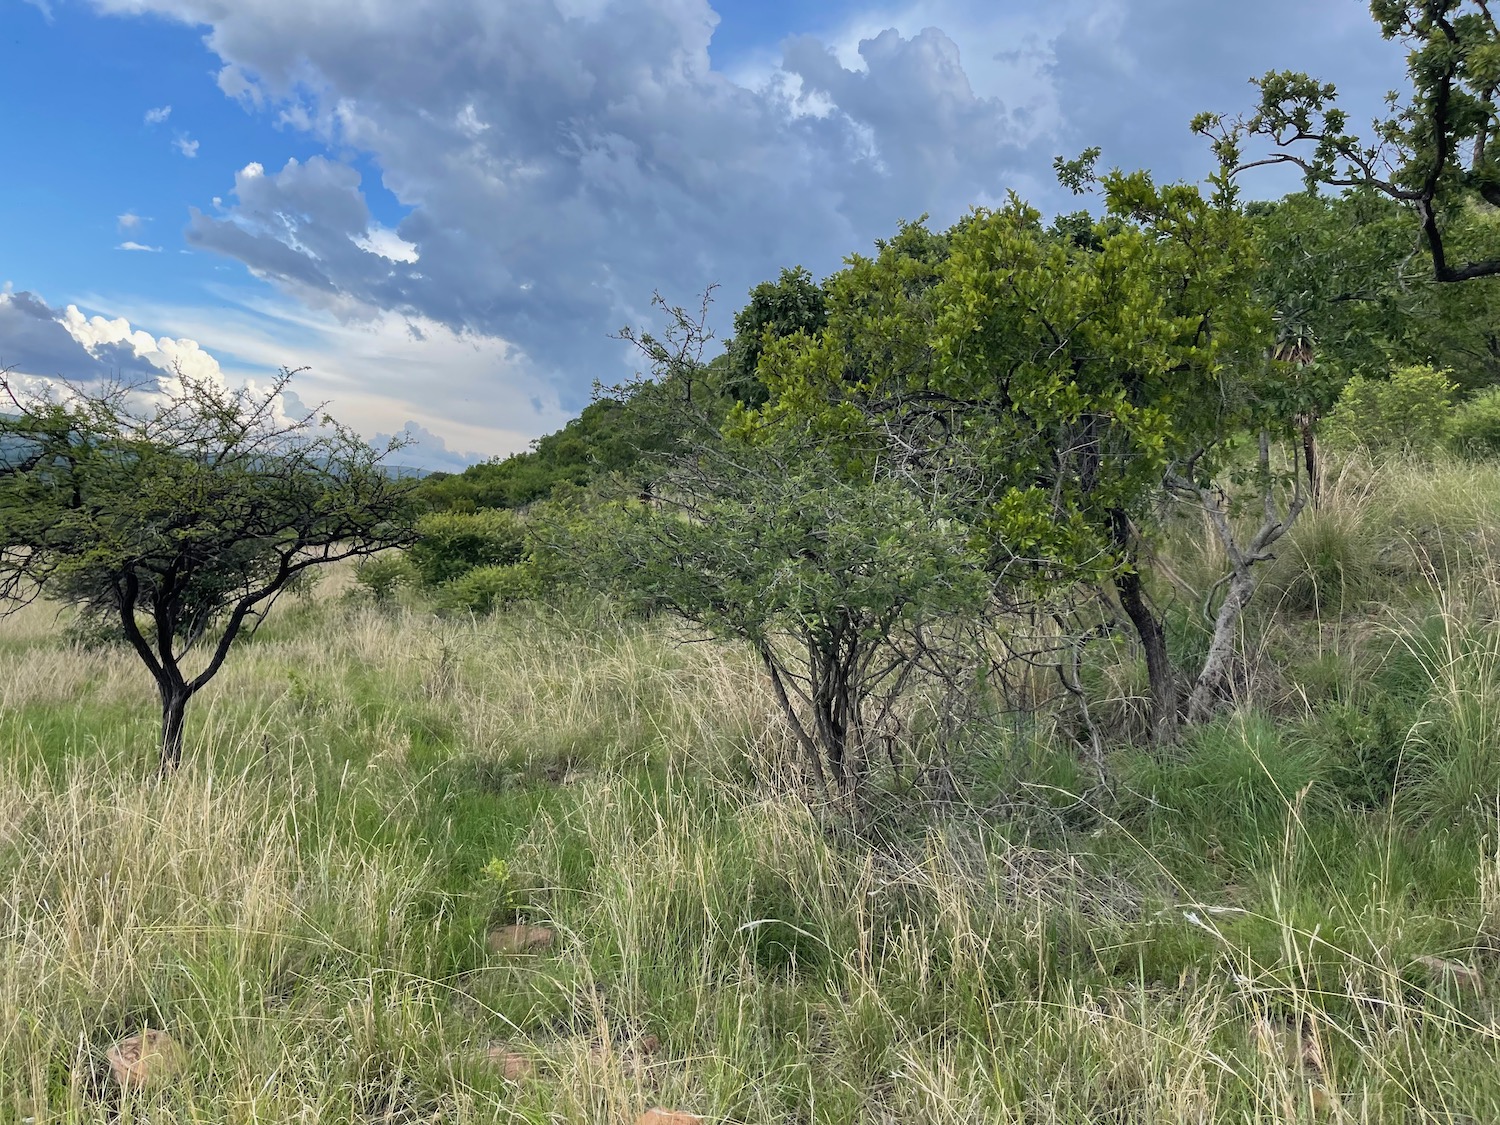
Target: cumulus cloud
{"x":475,"y":392}
{"x":561,"y":160}
{"x":558,"y":160}
{"x":158,"y":115}
{"x":43,"y":342}
{"x":129,"y":221}
{"x":186,"y":145}
{"x":129,"y":245}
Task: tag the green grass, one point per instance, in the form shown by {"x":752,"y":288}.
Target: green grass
{"x":305,"y":906}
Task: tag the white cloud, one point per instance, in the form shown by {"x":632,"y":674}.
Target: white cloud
{"x":185,"y":145}
{"x":43,"y":6}
{"x":560,"y":161}
{"x":158,"y":115}
{"x":129,"y":221}
{"x":556,"y":161}
{"x":388,"y":244}
{"x":423,"y":449}
{"x":128,"y":245}
{"x":475,"y":392}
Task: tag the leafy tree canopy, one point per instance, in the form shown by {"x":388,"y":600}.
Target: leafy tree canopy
{"x":181,"y":515}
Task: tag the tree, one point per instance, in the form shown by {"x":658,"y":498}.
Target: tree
{"x":191,"y":506}
{"x":1438,"y":153}
{"x":791,"y":304}
{"x":1052,"y":382}
{"x":839,"y":583}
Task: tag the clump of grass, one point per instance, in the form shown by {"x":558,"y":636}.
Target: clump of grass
{"x":1325,"y":567}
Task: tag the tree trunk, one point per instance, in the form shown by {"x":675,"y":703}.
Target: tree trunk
{"x":1153,"y":638}
{"x":174,"y":701}
{"x":1159,"y":672}
{"x":1310,"y":461}
{"x":1201,"y":705}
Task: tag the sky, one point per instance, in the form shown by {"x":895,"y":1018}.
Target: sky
{"x":445,"y":209}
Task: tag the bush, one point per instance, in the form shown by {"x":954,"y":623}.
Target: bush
{"x":485,"y":589}
{"x":95,"y":632}
{"x":453,"y":543}
{"x":1475,"y":428}
{"x":383,"y":575}
{"x":1410,"y":411}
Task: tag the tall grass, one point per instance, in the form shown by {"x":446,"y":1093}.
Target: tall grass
{"x":1253,"y":929}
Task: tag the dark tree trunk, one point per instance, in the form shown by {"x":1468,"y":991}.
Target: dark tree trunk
{"x":174,"y":701}
{"x":1310,"y":461}
{"x":1153,"y":638}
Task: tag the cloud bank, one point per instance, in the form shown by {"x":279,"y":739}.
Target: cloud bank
{"x":558,"y":160}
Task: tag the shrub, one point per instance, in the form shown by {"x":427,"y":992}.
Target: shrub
{"x":383,"y":575}
{"x":453,"y":543}
{"x":485,"y":589}
{"x":95,"y":632}
{"x":1475,"y":428}
{"x":1410,"y":411}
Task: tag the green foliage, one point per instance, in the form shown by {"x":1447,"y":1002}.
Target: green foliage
{"x":192,"y":506}
{"x":1437,"y":154}
{"x":450,"y":544}
{"x":1241,"y":775}
{"x":792,"y":304}
{"x":383,"y":575}
{"x":485,"y":589}
{"x":93,"y":632}
{"x":1409,"y":412}
{"x":605,"y":438}
{"x":1474,"y":430}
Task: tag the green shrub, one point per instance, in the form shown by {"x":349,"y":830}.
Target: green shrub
{"x":485,"y":589}
{"x":1410,"y":411}
{"x":1326,"y":565}
{"x":383,"y":575}
{"x":1475,"y":427}
{"x":95,"y":632}
{"x":453,"y":543}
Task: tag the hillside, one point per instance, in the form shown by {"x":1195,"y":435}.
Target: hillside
{"x":1292,"y":915}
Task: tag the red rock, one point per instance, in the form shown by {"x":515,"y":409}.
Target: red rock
{"x":513,"y":1065}
{"x":669,"y":1117}
{"x":1465,"y":976}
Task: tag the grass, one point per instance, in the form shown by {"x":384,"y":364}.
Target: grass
{"x":1237,"y":935}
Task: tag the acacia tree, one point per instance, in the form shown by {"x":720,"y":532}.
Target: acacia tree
{"x":181,"y":514}
{"x":1436,"y":155}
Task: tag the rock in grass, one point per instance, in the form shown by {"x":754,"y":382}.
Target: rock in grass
{"x":148,"y":1059}
{"x":512,"y":1065}
{"x":669,"y":1117}
{"x":521,"y":938}
{"x":1464,"y":976}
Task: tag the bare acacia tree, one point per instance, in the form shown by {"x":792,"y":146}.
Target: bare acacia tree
{"x":181,"y":512}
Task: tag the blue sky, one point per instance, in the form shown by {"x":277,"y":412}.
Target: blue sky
{"x":444,"y":207}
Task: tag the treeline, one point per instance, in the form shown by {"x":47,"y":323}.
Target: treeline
{"x":962,"y":458}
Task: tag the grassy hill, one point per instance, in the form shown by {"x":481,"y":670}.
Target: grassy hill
{"x":1293,"y":915}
